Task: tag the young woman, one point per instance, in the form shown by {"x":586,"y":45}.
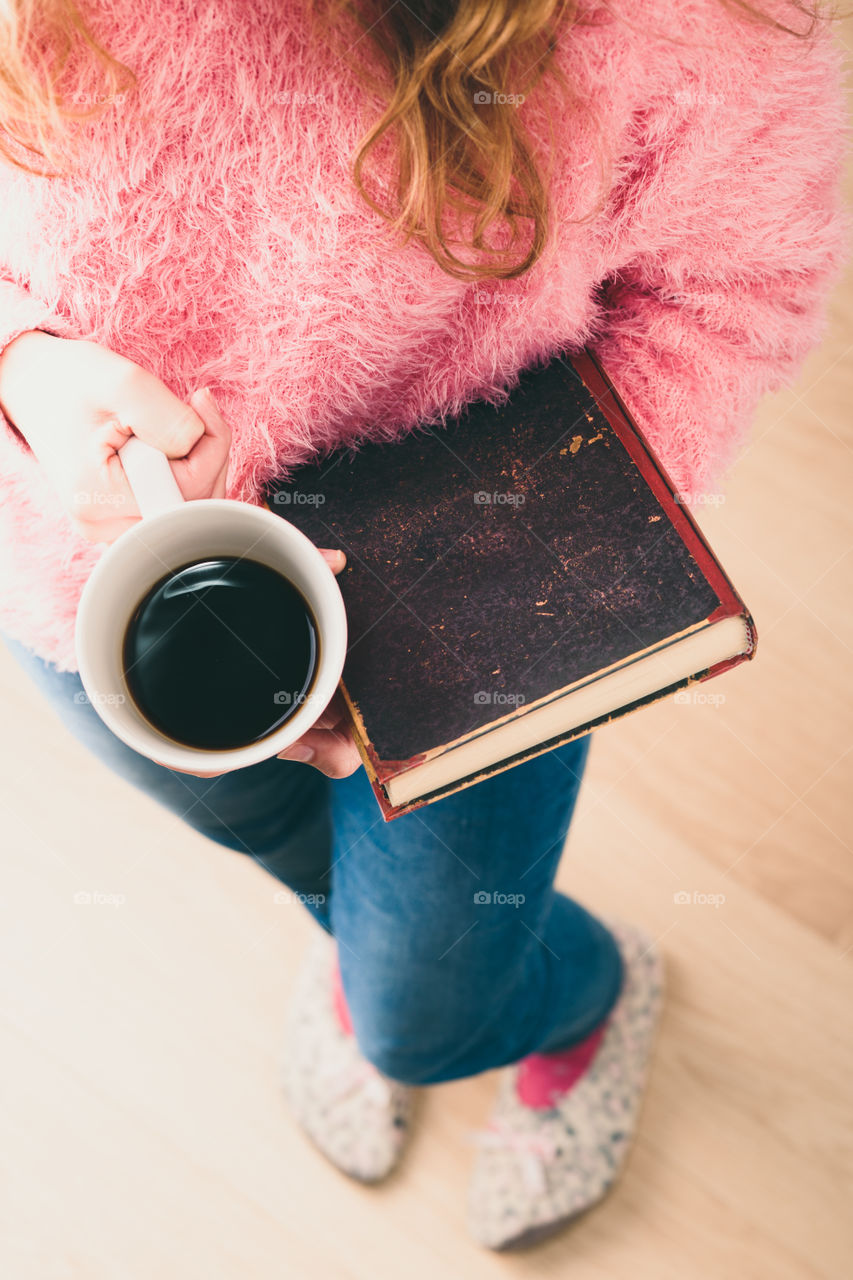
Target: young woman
{"x":343,"y":219}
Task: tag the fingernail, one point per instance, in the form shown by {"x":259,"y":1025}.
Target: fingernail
{"x":302,"y":754}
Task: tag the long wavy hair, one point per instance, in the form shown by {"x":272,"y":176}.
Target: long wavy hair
{"x":462,"y":158}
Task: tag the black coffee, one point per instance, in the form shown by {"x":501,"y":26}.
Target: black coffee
{"x":220,"y":653}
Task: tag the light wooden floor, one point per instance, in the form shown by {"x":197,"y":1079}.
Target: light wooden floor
{"x":142,"y":1130}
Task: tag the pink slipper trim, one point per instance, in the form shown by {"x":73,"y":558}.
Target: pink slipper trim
{"x":339,"y":1001}
{"x":543,"y":1078}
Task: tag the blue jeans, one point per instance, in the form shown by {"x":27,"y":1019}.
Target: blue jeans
{"x":456,"y":953}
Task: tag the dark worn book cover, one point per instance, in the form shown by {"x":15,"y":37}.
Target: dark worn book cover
{"x":500,"y":558}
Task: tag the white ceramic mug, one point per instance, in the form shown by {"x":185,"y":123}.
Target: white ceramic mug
{"x":172,"y":533}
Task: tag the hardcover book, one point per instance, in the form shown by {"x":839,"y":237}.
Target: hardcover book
{"x":515,"y":578}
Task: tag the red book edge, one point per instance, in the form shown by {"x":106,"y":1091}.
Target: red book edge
{"x":616,"y":412}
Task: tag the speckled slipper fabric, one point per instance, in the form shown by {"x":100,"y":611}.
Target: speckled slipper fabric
{"x":538,"y":1168}
{"x":356,"y":1116}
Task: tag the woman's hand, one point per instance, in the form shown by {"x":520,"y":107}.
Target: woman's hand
{"x":76,"y":403}
{"x":328,"y":744}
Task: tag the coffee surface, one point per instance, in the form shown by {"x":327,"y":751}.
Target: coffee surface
{"x":220,"y":653}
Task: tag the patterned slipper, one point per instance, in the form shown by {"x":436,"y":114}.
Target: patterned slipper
{"x":356,"y":1116}
{"x":539,"y":1168}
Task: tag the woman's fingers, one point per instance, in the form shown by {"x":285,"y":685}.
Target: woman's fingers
{"x":331,"y":751}
{"x":336,"y":560}
{"x":201,"y":474}
{"x":335,"y":715}
{"x":328,"y":744}
{"x":156,"y":414}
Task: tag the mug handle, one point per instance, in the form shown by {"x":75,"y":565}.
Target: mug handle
{"x":150,"y":477}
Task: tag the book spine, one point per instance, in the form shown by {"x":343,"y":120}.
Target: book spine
{"x":651,"y":468}
{"x":373,"y":766}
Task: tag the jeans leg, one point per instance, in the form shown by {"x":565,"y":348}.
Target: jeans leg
{"x":457,"y":954}
{"x":277,"y":812}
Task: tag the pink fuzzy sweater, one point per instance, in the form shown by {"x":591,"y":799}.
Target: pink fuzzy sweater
{"x":213,"y":235}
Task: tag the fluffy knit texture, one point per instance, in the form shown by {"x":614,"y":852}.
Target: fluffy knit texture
{"x":212,"y":234}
